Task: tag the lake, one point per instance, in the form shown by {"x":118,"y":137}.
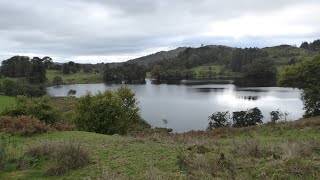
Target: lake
{"x":187,"y":106}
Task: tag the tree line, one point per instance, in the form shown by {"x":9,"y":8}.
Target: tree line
{"x":22,"y":66}
{"x":128,"y":73}
{"x":313,"y":46}
{"x":252,"y":62}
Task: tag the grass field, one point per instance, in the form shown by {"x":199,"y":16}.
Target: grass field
{"x":77,"y":78}
{"x":284,"y":151}
{"x":5,"y":101}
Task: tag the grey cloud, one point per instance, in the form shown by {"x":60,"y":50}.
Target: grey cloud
{"x":115,"y":27}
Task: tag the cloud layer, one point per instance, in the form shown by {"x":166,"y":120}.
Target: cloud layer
{"x":118,"y":30}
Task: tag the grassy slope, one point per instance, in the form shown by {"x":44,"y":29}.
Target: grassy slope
{"x":283,"y":54}
{"x":5,"y":101}
{"x":215,"y":69}
{"x":77,"y":78}
{"x":154,"y":154}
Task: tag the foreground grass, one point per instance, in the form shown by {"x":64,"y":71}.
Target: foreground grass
{"x":77,"y":78}
{"x":284,"y":151}
{"x":5,"y":101}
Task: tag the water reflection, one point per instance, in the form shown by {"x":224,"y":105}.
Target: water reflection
{"x":250,"y":98}
{"x":187,"y":107}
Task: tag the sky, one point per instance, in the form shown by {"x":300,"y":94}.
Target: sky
{"x":92,"y":31}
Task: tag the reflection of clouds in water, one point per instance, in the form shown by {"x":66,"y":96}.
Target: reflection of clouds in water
{"x":266,"y":103}
{"x":188,"y":107}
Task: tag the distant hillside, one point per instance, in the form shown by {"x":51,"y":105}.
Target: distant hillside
{"x":283,"y":54}
{"x":157,"y":56}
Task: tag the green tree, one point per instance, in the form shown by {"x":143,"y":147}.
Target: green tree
{"x":65,"y":69}
{"x":57,"y":81}
{"x":251,"y":117}
{"x":110,"y":112}
{"x":37,"y":71}
{"x":156,"y":71}
{"x":218,"y":120}
{"x":275,"y":116}
{"x":305,"y":75}
{"x":305,"y":45}
{"x":16,"y":66}
{"x":262,"y":68}
{"x":9,"y":87}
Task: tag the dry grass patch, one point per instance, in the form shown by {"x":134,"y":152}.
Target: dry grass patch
{"x":64,"y":156}
{"x":23,"y":125}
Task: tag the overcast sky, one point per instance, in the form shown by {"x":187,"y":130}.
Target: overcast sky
{"x":117,"y":30}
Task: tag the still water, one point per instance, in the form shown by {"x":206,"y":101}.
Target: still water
{"x":187,"y":107}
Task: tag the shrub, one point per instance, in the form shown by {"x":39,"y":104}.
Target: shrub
{"x":200,"y":166}
{"x":275,"y":116}
{"x":63,"y":126}
{"x":249,"y":149}
{"x":43,"y":150}
{"x":218,"y":120}
{"x":3,"y":155}
{"x":22,"y":125}
{"x":251,"y":117}
{"x":110,"y":112}
{"x":40,"y":108}
{"x":68,"y":157}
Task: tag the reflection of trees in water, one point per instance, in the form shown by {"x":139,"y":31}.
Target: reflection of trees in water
{"x":255,"y":82}
{"x":250,"y":98}
{"x":209,"y":89}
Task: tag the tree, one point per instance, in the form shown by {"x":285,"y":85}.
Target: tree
{"x":261,"y":68}
{"x":16,"y":66}
{"x":57,"y":81}
{"x":305,"y":75}
{"x":218,"y":120}
{"x":110,"y":112}
{"x":65,"y":69}
{"x":9,"y":87}
{"x":156,"y":71}
{"x":251,"y":117}
{"x":276,"y":116}
{"x":305,"y":45}
{"x":239,"y":119}
{"x":37,"y":71}
{"x":48,"y":62}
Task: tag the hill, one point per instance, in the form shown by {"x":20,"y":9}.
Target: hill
{"x":282,"y":151}
{"x":283,"y":54}
{"x":157,"y":56}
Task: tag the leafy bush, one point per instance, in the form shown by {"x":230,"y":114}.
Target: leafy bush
{"x":251,"y":117}
{"x":40,"y":108}
{"x":22,"y":125}
{"x":247,"y":118}
{"x":63,"y":156}
{"x":110,"y":112}
{"x":275,"y":116}
{"x":218,"y":120}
